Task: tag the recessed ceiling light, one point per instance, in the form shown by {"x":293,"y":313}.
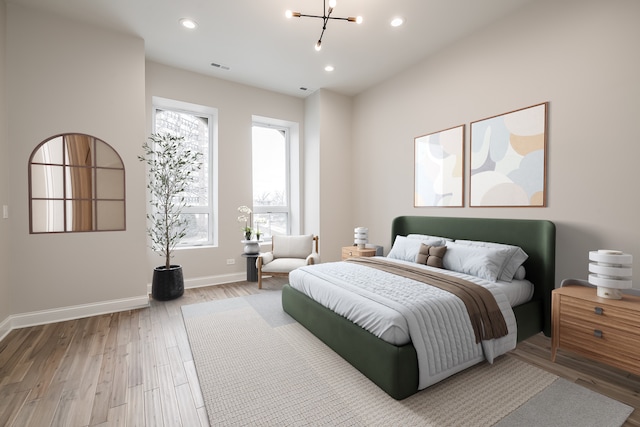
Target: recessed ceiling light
{"x":397,"y":21}
{"x":188,"y":23}
{"x":329,"y":68}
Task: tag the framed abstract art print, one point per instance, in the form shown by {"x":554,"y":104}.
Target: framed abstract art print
{"x":439,"y":168}
{"x":508,"y":159}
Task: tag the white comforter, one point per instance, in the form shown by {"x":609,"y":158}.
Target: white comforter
{"x":436,"y":321}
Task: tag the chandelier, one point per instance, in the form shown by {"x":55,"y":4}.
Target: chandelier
{"x":325,"y":18}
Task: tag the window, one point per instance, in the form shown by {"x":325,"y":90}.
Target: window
{"x":197,"y":124}
{"x":271,"y":200}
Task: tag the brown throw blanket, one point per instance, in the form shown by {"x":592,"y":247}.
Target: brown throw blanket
{"x":486,"y":318}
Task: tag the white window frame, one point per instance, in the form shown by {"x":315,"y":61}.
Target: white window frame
{"x":211,"y":114}
{"x":292,"y":171}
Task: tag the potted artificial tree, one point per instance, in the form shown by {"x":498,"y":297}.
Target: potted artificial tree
{"x":171,"y":167}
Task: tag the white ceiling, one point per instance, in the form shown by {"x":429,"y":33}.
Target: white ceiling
{"x":263,"y":48}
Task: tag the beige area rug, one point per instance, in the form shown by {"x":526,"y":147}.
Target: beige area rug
{"x":257,"y":366}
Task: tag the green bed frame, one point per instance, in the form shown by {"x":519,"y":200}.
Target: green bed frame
{"x":395,"y":368}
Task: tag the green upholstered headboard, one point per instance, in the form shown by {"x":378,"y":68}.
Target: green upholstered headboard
{"x":536,"y":237}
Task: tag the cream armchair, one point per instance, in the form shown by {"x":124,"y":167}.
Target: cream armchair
{"x":287,"y":254}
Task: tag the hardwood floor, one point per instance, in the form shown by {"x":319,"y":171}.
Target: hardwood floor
{"x":135,"y":368}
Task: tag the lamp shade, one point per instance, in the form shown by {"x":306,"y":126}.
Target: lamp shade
{"x":360,"y":236}
{"x":610,"y":271}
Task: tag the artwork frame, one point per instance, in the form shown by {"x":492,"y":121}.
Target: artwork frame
{"x":439,"y":168}
{"x":508,"y":159}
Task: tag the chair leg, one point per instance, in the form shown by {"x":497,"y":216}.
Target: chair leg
{"x":260,"y":279}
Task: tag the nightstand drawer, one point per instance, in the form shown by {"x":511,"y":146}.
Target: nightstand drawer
{"x":354,"y":251}
{"x":600,"y":312}
{"x":598,"y":338}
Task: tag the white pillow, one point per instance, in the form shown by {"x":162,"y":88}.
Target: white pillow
{"x":405,"y":249}
{"x":478,"y":261}
{"x":521,"y":273}
{"x":430,"y":240}
{"x":516,"y":257}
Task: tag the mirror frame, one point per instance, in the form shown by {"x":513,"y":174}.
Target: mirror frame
{"x":77,"y":161}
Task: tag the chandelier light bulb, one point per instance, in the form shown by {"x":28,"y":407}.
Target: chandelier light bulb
{"x":288,"y":14}
{"x":318,"y":46}
{"x":332,"y":3}
{"x":358,"y":19}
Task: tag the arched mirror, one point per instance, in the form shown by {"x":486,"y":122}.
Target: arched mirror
{"x":76,"y":183}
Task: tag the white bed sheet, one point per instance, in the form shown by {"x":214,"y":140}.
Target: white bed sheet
{"x":382,"y":321}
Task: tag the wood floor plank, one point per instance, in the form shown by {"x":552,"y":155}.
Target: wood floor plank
{"x":41,"y":411}
{"x":194,"y":383}
{"x":153,"y":408}
{"x":135,"y":406}
{"x":170,"y":411}
{"x":11,"y":407}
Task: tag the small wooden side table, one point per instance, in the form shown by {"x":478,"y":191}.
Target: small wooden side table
{"x":354,"y":252}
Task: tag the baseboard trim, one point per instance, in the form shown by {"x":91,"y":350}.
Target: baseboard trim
{"x":62,"y":314}
{"x":5,"y":327}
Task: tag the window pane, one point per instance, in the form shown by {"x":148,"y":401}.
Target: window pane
{"x":271,"y":224}
{"x":194,"y":124}
{"x":269,"y":167}
{"x":195,"y":130}
{"x":197,"y":229}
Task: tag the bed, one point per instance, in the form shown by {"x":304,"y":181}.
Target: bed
{"x":394,"y":368}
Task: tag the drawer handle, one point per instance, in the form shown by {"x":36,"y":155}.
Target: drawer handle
{"x":350,"y":253}
{"x":599,"y":311}
{"x":597,"y":333}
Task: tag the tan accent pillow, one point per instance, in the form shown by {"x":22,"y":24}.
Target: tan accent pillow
{"x":431,"y":255}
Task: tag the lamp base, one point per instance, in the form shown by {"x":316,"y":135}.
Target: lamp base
{"x":611,"y":293}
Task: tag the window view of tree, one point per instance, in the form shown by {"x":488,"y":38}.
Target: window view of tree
{"x":270,"y":179}
{"x":196,"y":129}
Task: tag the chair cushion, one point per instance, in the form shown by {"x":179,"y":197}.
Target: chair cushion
{"x":292,"y":246}
{"x":283,"y":265}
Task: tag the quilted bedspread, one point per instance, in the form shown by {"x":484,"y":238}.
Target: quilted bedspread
{"x":436,"y":321}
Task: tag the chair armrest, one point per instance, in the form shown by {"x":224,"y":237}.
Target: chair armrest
{"x":314,"y":258}
{"x":267,"y":257}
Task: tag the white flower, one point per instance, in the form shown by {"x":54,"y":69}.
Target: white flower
{"x":244,"y":210}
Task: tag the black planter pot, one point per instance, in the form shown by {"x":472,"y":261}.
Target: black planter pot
{"x":167,"y":284}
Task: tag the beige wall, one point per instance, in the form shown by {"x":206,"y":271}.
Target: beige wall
{"x":68,"y":77}
{"x":5,"y":290}
{"x":580,"y":56}
{"x":236,"y":105}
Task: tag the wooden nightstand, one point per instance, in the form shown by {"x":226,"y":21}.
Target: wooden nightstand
{"x":605,"y":330}
{"x":354,"y":252}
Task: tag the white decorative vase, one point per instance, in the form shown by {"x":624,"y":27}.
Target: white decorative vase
{"x":251,"y":246}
